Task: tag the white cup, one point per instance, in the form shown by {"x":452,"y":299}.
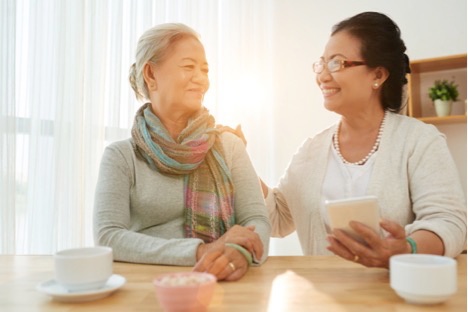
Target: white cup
{"x":83,"y":269}
{"x":423,"y":279}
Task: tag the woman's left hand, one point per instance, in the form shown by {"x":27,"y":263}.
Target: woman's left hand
{"x":377,"y":251}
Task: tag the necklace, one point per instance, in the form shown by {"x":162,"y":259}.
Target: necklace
{"x":336,"y":144}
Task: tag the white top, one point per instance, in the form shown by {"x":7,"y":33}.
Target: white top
{"x":344,"y":180}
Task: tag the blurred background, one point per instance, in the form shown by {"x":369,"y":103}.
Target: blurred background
{"x":64,"y":92}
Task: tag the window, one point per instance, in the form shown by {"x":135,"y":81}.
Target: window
{"x":65,"y":95}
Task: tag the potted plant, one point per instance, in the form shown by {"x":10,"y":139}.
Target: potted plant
{"x":443,"y":93}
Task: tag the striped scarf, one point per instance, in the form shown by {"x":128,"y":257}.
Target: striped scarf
{"x":197,"y":155}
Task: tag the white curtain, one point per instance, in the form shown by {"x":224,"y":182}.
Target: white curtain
{"x":64,"y":95}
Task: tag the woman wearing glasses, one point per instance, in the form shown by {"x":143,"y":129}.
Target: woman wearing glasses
{"x":372,"y":151}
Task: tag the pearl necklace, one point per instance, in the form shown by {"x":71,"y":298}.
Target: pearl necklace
{"x":336,"y":144}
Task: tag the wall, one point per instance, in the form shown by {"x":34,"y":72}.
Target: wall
{"x":301,"y":28}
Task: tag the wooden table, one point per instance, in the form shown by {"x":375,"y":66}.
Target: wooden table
{"x":283,"y":284}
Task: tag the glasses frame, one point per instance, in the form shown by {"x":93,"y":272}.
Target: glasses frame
{"x":343,"y":64}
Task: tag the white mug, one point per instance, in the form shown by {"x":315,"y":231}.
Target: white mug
{"x":81,"y":269}
{"x":422,"y":278}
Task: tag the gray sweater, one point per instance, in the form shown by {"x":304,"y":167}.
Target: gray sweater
{"x":414,"y":177}
{"x":139,"y":212}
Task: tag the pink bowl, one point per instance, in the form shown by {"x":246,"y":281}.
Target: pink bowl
{"x":185,"y":291}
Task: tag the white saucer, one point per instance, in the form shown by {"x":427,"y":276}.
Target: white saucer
{"x":59,"y":293}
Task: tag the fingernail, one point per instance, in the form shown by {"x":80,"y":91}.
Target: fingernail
{"x":384,"y":221}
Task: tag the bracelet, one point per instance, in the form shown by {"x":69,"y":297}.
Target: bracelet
{"x":414,"y":247}
{"x":243,"y":251}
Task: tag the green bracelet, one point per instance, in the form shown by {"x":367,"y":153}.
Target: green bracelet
{"x":414,"y":247}
{"x":242,"y":250}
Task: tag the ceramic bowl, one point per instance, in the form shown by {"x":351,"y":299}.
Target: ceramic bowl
{"x":185,"y":291}
{"x":423,"y":279}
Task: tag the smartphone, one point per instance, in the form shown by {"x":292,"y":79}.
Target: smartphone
{"x":363,"y":209}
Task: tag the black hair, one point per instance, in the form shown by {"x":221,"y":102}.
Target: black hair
{"x":381,"y":45}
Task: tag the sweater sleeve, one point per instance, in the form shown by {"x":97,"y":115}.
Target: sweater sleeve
{"x":249,"y":203}
{"x":113,"y":219}
{"x":282,"y":222}
{"x":290,"y":204}
{"x":438,"y":201}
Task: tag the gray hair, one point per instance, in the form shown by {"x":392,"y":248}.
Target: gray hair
{"x":154,"y":46}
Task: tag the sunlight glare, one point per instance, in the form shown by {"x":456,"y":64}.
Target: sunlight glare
{"x":291,"y":290}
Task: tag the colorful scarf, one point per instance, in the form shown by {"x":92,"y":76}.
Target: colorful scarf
{"x":197,"y":154}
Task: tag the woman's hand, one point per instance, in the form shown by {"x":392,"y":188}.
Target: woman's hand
{"x":225,"y":263}
{"x":245,"y":237}
{"x":240,"y":235}
{"x":238,"y":131}
{"x":378,"y":250}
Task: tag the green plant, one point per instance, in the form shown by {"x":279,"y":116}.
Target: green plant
{"x":444,"y":90}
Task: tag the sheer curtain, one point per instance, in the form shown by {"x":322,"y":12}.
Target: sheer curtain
{"x":64,"y":95}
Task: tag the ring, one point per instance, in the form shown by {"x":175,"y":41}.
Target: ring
{"x":356,"y":258}
{"x":232,"y":266}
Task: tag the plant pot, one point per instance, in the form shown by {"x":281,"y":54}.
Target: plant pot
{"x":443,"y":108}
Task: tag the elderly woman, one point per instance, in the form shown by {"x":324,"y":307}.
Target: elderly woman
{"x":372,"y":151}
{"x":180,"y":191}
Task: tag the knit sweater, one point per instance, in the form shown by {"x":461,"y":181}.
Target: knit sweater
{"x":139,"y":212}
{"x":414,"y":178}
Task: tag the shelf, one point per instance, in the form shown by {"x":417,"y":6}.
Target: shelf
{"x":423,"y":74}
{"x":438,"y":63}
{"x":444,"y":120}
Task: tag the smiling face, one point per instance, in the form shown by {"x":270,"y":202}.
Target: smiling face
{"x":181,"y":79}
{"x":349,"y":89}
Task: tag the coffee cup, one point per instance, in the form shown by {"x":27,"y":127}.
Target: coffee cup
{"x":82,"y":269}
{"x":422,"y":278}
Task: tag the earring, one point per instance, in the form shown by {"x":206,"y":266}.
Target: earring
{"x":375,"y":85}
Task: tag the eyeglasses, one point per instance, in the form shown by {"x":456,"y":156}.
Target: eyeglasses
{"x":334,"y":65}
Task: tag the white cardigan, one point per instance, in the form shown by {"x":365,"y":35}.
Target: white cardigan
{"x":414,"y":178}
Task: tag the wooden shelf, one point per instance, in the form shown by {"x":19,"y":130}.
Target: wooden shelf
{"x":444,"y":120}
{"x":438,"y":63}
{"x":423,"y":74}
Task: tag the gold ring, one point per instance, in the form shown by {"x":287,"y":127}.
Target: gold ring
{"x":232,"y":266}
{"x":356,"y":258}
